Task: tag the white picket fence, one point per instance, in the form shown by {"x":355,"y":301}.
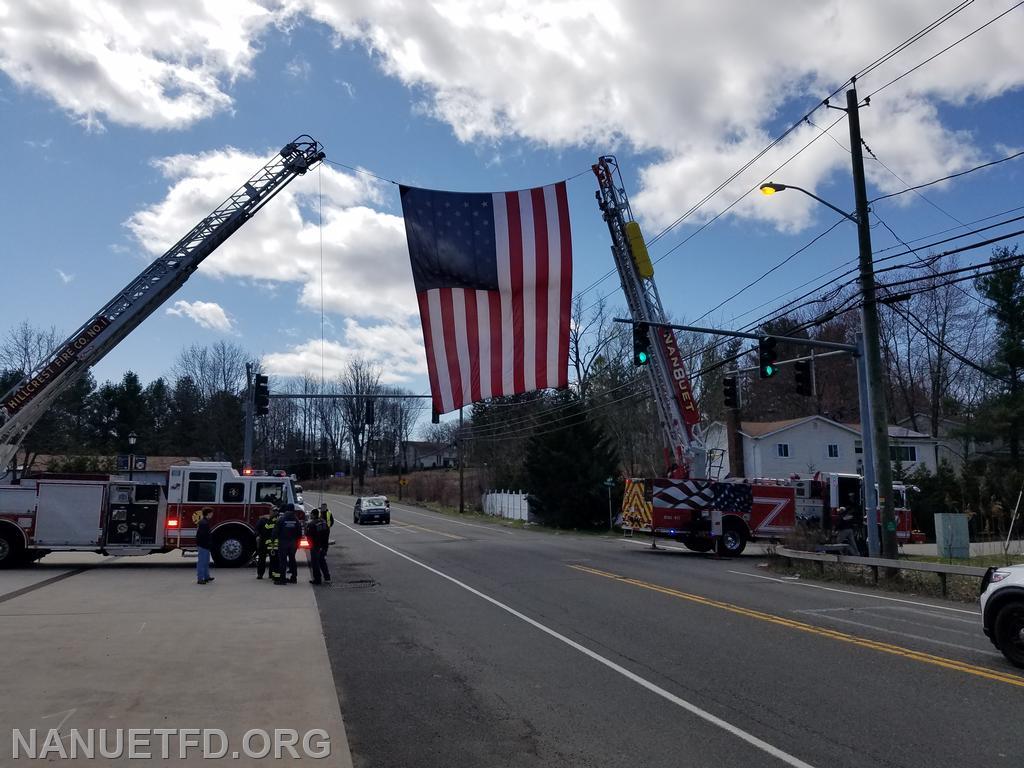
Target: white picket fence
{"x":511,"y":505}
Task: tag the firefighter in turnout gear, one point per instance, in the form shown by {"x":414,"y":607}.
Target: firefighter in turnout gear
{"x":319,"y":533}
{"x":288,"y":531}
{"x":264,"y":536}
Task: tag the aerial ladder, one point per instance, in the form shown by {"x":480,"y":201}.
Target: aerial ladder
{"x":30,"y":398}
{"x":670,"y":383}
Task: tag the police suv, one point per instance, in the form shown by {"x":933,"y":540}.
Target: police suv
{"x":1002,"y":610}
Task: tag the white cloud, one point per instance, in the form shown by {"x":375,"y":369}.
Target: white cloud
{"x":702,"y":86}
{"x":64,"y":276}
{"x":208,"y":314}
{"x":366,"y":269}
{"x":396,"y":347}
{"x":143,"y":64}
{"x":299,"y":68}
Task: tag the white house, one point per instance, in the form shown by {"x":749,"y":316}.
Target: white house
{"x":815,"y":444}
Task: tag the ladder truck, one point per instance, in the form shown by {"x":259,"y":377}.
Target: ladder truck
{"x":30,"y":398}
{"x":673,"y":395}
{"x":690,"y":506}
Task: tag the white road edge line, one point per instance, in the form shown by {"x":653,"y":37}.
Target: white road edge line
{"x":859,"y":594}
{"x":442,"y":518}
{"x":693,"y":709}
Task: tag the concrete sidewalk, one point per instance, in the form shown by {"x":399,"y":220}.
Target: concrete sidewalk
{"x":136,"y":643}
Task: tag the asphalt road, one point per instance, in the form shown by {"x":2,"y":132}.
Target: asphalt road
{"x":455,"y":643}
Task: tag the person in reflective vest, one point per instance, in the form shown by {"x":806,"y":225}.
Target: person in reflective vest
{"x":326,"y":515}
{"x":264,"y":535}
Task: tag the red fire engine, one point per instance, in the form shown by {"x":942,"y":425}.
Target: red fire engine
{"x":113,"y":517}
{"x":729,"y":513}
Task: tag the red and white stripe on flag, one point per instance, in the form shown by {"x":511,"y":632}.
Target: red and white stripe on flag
{"x":483,"y":344}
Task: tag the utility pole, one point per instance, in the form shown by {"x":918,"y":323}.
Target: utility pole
{"x":872,"y":347}
{"x":250,"y":420}
{"x":733,"y":423}
{"x":462,"y":491}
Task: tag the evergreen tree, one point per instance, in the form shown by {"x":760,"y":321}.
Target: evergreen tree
{"x":567,"y":462}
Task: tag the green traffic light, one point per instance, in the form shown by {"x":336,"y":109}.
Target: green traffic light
{"x":769,"y":370}
{"x":642,"y":358}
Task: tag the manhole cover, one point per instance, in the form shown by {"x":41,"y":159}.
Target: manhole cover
{"x":357,"y":583}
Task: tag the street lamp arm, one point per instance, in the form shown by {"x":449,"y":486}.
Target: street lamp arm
{"x":851,"y":216}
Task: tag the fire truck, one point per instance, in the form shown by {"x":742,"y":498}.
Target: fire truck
{"x":705,"y":514}
{"x":78,"y":513}
{"x":689,"y":505}
{"x":112,"y":517}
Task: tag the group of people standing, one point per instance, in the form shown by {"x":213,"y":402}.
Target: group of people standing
{"x":277,"y":541}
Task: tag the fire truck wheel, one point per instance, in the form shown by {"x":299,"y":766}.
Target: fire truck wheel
{"x":733,"y":540}
{"x":233,"y":547}
{"x":11,"y":547}
{"x":698,"y":543}
{"x":1009,"y":632}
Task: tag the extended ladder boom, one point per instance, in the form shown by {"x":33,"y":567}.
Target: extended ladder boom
{"x":25,"y":404}
{"x":670,"y":383}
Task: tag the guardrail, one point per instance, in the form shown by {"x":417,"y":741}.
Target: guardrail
{"x":942,"y":570}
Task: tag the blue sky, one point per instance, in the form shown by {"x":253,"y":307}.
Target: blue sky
{"x":120,"y":137}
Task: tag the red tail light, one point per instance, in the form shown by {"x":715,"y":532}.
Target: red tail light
{"x":303,"y":543}
{"x":172,"y":523}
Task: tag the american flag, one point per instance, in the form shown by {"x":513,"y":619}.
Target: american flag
{"x":493,"y":275}
{"x":733,"y":497}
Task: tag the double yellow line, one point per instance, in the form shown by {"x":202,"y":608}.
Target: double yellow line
{"x":863,"y":642}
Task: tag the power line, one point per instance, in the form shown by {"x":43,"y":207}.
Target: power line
{"x":989,"y":164}
{"x":947,"y":48}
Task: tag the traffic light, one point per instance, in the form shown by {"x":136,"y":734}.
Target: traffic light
{"x":767,"y":356}
{"x":731,"y":392}
{"x":802,"y":374}
{"x":641,"y":344}
{"x":369,"y":412}
{"x":261,"y":394}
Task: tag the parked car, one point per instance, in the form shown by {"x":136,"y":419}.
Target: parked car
{"x":1002,"y":610}
{"x":371,"y":509}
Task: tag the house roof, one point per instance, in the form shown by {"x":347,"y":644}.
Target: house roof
{"x":759,"y":429}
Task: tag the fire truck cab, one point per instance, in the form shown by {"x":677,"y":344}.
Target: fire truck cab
{"x":237,"y":501}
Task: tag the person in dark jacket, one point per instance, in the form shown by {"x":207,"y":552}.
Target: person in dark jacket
{"x":319,"y":534}
{"x":288,"y":532}
{"x":264,"y":538}
{"x":204,"y":540}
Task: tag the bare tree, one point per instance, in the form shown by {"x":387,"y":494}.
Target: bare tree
{"x":217,"y":368}
{"x":361,"y":380}
{"x":589,"y":340}
{"x":25,"y":346}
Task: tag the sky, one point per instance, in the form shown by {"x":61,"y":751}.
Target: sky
{"x":125,"y":122}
